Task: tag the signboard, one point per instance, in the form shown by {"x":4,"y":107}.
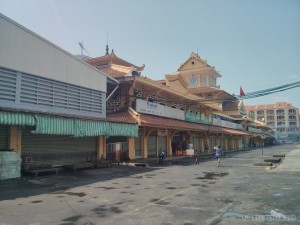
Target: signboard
{"x":152,"y":108}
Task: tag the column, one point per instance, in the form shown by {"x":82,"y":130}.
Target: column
{"x":131,"y":147}
{"x":101,"y":147}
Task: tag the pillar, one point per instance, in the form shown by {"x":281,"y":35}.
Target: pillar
{"x":101,"y":147}
{"x":145,"y":147}
{"x":131,"y":147}
{"x":169,"y":143}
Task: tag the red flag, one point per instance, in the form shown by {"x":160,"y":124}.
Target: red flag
{"x":242,"y":92}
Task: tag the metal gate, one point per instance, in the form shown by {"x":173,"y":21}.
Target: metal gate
{"x":58,"y":149}
{"x":196,"y":143}
{"x":162,"y":143}
{"x":137,"y":146}
{"x":3,"y":137}
{"x":117,"y":151}
{"x":152,"y":147}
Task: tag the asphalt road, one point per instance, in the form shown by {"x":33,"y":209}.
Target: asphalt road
{"x":238,"y":192}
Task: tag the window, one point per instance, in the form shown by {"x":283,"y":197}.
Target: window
{"x":261,"y":112}
{"x":203,"y":80}
{"x":210,"y":96}
{"x":280,"y":111}
{"x":280,"y":123}
{"x":292,"y":117}
{"x":260,"y":118}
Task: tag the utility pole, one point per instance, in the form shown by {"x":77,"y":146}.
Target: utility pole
{"x":263,"y":143}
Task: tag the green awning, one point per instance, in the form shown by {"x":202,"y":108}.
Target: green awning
{"x":85,"y":128}
{"x":17,"y":118}
{"x":120,"y":129}
{"x":55,"y":125}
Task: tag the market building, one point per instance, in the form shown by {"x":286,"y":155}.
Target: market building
{"x":52,"y":105}
{"x":171,"y":112}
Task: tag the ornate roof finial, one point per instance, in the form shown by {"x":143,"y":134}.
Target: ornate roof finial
{"x":107,"y":50}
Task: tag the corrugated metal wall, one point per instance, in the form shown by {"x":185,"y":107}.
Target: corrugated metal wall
{"x":152,"y":146}
{"x":3,"y":137}
{"x":25,"y":51}
{"x":196,"y":143}
{"x":162,"y":143}
{"x":25,"y":91}
{"x":137,"y":146}
{"x":57,"y":149}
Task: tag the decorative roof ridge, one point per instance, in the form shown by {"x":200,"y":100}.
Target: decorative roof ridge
{"x":112,"y":58}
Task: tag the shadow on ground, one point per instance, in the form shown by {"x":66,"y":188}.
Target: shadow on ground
{"x":30,"y":186}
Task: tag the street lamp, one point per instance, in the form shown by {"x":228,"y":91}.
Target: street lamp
{"x":263,"y":143}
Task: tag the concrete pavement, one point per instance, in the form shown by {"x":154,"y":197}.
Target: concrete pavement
{"x":291,"y":161}
{"x":236,"y":193}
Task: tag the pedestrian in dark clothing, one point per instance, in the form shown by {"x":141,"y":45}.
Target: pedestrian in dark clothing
{"x":196,"y":157}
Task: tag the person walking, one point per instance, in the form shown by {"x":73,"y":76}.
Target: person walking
{"x":196,"y":157}
{"x":218,"y":154}
{"x":206,"y":146}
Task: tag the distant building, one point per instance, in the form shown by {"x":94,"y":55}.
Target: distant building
{"x":283,"y":117}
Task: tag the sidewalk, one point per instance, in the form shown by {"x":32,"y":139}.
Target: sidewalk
{"x":184,"y":160}
{"x":291,"y":162}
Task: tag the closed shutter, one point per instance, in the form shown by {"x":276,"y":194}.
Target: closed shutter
{"x":58,"y":149}
{"x":3,"y":137}
{"x":162,"y":143}
{"x":137,"y":145}
{"x":196,"y":142}
{"x":152,"y":146}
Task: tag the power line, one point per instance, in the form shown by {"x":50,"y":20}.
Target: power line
{"x":269,"y":91}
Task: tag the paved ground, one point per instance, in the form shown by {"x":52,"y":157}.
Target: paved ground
{"x":238,"y":192}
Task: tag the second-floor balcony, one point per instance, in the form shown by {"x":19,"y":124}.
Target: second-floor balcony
{"x":292,"y":124}
{"x":280,"y":118}
{"x":281,"y":126}
{"x":260,"y":113}
{"x":292,"y":113}
{"x":292,"y":118}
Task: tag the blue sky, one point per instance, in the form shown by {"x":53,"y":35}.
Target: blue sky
{"x":252,"y":43}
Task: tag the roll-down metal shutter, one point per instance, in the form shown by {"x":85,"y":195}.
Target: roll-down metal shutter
{"x":152,"y":146}
{"x":162,"y":143}
{"x":196,"y":143}
{"x":137,"y":146}
{"x":3,"y":137}
{"x":61,"y":149}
